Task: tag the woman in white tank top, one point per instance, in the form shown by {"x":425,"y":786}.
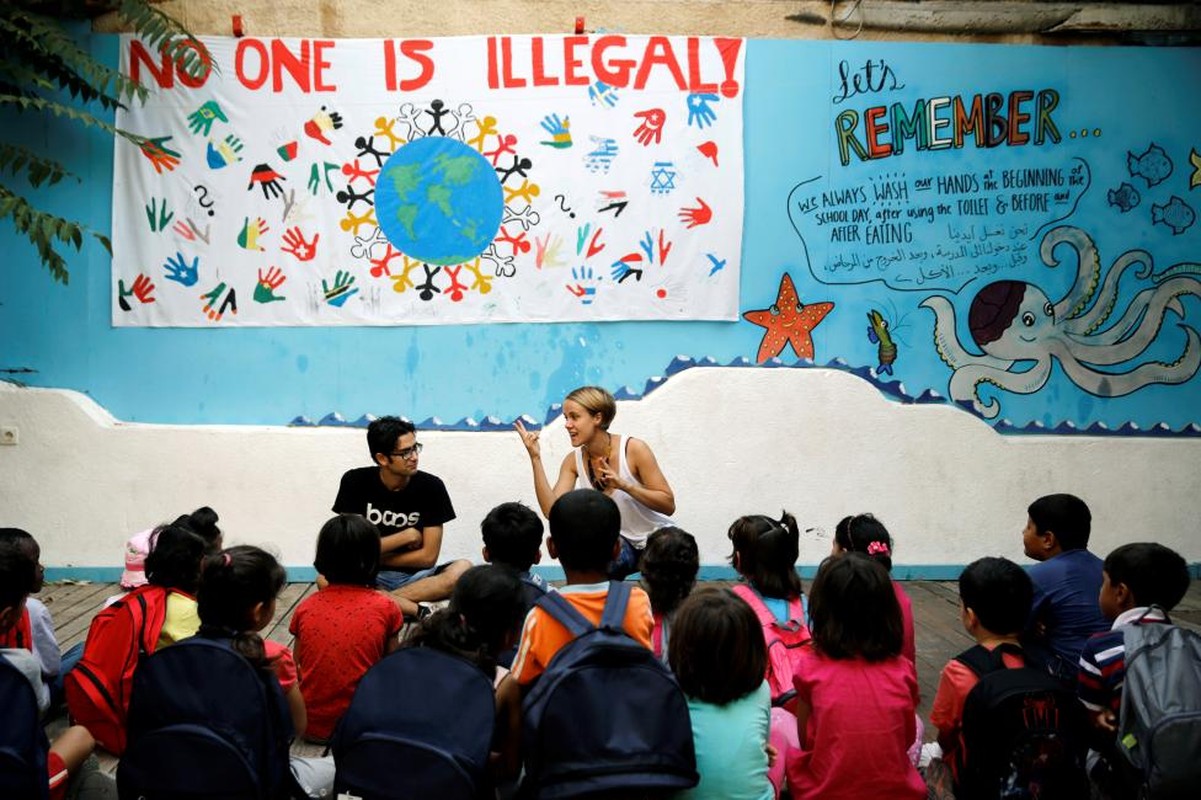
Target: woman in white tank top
{"x":622,"y":467}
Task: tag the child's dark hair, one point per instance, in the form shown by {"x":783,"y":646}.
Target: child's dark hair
{"x":767,"y":551}
{"x":203,"y":523}
{"x":717,"y":652}
{"x":233,"y":582}
{"x":853,"y":609}
{"x":669,"y":566}
{"x":485,"y":613}
{"x":174,"y":558}
{"x":1154,"y":574}
{"x":382,"y":434}
{"x":24,"y":540}
{"x":348,"y":550}
{"x":18,"y":571}
{"x":512,"y":533}
{"x":585,"y":524}
{"x":863,"y":533}
{"x":1065,"y":515}
{"x":999,"y":592}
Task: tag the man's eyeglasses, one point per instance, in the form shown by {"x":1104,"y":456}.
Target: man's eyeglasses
{"x":408,"y":452}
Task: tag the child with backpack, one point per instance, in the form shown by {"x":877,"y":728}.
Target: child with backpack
{"x":31,"y":766}
{"x":35,"y":630}
{"x":600,"y":713}
{"x":202,"y":522}
{"x":208,"y":716}
{"x":512,"y":536}
{"x":856,"y":693}
{"x":429,"y":710}
{"x":719,"y":658}
{"x":1067,"y":579}
{"x":669,"y":566}
{"x":863,"y":533}
{"x":141,"y":622}
{"x":1139,"y":672}
{"x":346,"y":627}
{"x":988,"y":735}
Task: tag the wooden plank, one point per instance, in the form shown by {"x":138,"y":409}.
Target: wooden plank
{"x":279,"y":631}
{"x":71,"y":621}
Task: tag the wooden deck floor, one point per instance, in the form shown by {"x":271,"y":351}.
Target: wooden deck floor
{"x":938,"y":633}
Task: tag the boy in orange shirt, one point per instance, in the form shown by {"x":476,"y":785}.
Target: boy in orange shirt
{"x":584,"y":528}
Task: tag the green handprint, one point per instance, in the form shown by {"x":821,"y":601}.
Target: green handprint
{"x":156,"y":216}
{"x":201,"y":120}
{"x":341,"y":291}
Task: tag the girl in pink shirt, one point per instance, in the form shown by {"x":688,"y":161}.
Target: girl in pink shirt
{"x":856,"y":694}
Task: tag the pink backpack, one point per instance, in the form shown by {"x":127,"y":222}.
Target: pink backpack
{"x":784,"y":641}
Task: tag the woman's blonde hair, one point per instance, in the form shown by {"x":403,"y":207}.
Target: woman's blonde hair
{"x":595,"y":400}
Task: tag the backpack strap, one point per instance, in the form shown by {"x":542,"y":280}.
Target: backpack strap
{"x":614,"y":615}
{"x":565,"y":614}
{"x":752,"y":599}
{"x":980,"y":660}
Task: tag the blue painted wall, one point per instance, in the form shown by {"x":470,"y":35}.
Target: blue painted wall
{"x":1113,"y":103}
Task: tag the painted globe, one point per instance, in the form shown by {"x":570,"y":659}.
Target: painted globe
{"x":438,"y":200}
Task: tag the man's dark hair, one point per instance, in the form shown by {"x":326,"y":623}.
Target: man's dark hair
{"x":348,"y":551}
{"x":585,"y":525}
{"x":512,"y":533}
{"x":717,"y":650}
{"x":1066,"y":516}
{"x":382,"y":434}
{"x":1154,"y":574}
{"x":999,"y":592}
{"x":18,"y":571}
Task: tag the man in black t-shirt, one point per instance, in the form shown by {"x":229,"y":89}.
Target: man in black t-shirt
{"x":409,"y":507}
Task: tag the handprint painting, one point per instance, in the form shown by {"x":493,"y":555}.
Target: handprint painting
{"x":360,"y":189}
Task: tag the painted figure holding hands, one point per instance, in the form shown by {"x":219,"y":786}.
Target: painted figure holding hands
{"x":620,"y":466}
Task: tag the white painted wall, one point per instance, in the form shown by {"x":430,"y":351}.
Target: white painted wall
{"x":821,"y":443}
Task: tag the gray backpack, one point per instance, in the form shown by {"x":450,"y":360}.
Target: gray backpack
{"x":1159,"y":729}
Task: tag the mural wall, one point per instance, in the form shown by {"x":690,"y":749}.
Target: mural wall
{"x":1009,"y":229}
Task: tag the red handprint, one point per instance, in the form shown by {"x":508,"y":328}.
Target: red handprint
{"x":696,"y":216}
{"x":298,"y":246}
{"x":651,"y":128}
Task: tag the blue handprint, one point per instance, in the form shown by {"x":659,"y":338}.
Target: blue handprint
{"x":600,"y":159}
{"x":586,"y":293}
{"x":559,"y":130}
{"x":602,"y":94}
{"x":177,"y":269}
{"x":699,"y":111}
{"x":341,"y":290}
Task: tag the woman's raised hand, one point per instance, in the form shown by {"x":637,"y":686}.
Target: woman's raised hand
{"x":529,"y":439}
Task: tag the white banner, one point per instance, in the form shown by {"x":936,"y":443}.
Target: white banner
{"x":432,"y":181}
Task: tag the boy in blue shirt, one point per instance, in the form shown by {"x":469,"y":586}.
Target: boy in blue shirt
{"x":1067,"y":581}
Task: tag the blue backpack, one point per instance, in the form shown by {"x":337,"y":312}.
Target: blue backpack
{"x":23,"y":745}
{"x":606,"y":716}
{"x":204,"y":723}
{"x":420,"y":725}
{"x":531,"y":592}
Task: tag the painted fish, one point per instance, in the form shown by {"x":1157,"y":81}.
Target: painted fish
{"x":1125,"y":197}
{"x":1176,"y":214}
{"x":1153,"y":165}
{"x":877,"y":334}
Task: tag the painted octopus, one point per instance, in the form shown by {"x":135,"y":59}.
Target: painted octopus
{"x":1015,"y":324}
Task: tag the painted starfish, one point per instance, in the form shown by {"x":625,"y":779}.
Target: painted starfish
{"x":788,"y":321}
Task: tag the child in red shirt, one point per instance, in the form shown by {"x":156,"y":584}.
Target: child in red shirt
{"x":345,"y":628}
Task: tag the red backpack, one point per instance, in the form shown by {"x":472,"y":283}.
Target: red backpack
{"x":784,"y":641}
{"x":98,"y":687}
{"x":19,"y":636}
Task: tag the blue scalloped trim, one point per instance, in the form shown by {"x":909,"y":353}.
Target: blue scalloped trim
{"x":893,"y":389}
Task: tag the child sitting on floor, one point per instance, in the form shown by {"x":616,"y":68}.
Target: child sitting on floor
{"x":512,"y":536}
{"x":863,"y":533}
{"x":344,"y":628}
{"x":669,"y":566}
{"x":856,"y":694}
{"x":18,"y":575}
{"x":719,"y":657}
{"x":202,"y":522}
{"x":35,"y":630}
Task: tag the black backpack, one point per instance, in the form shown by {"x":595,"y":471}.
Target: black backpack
{"x":419,"y":726}
{"x":606,"y":716}
{"x":23,"y":745}
{"x":1023,"y":733}
{"x":205,"y":724}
